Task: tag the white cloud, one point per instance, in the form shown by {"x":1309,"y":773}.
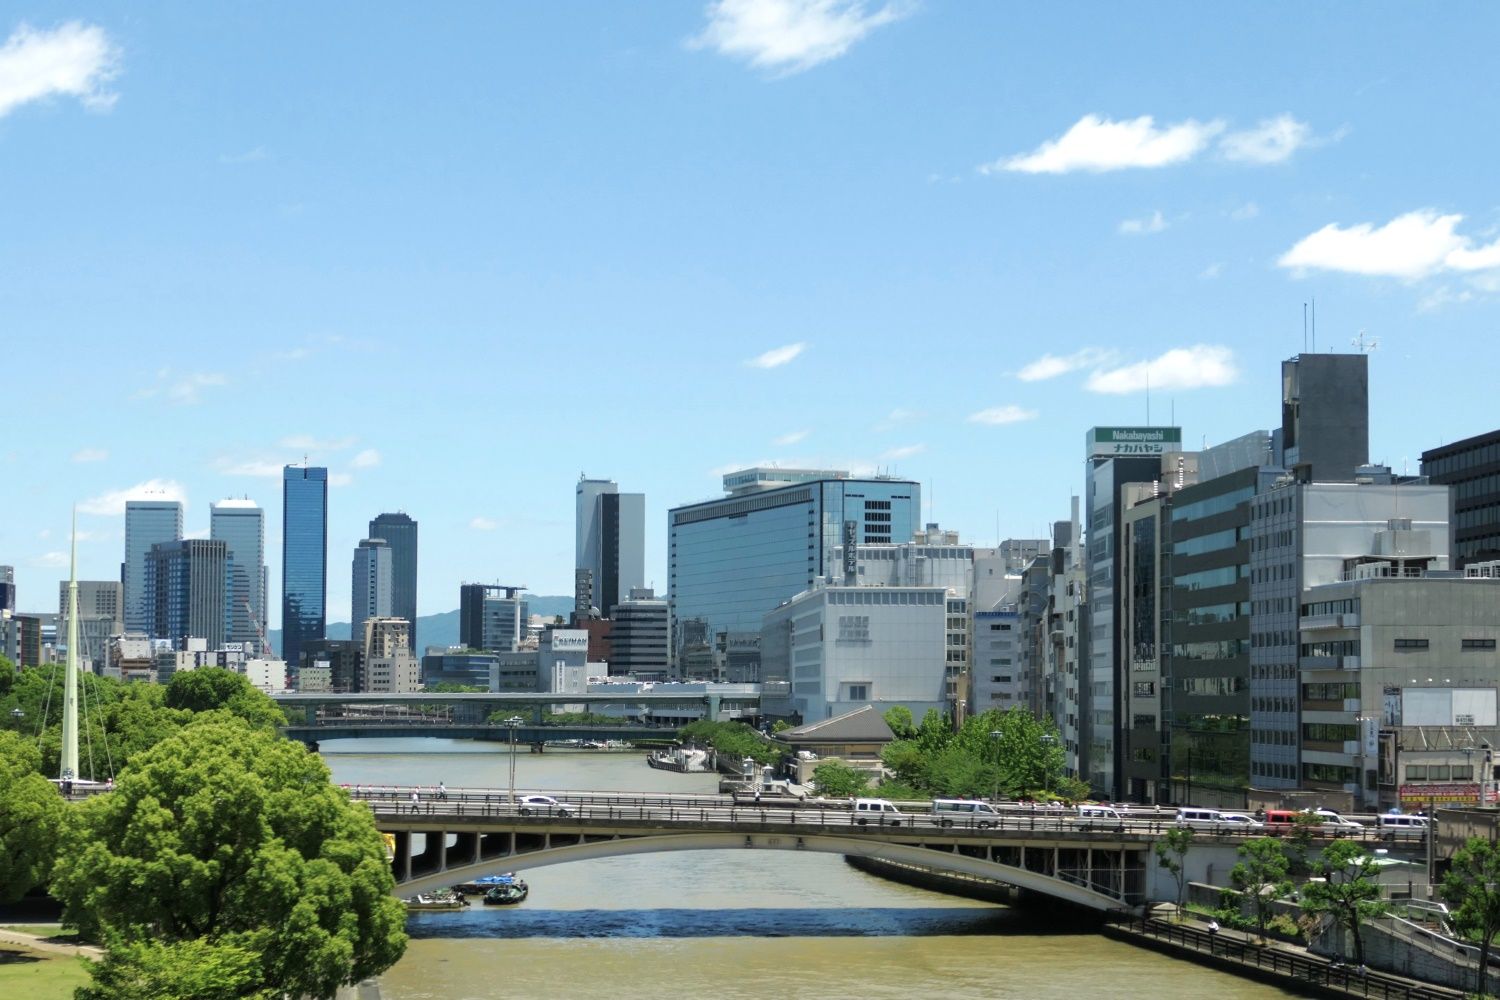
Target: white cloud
{"x":248,"y":156}
{"x":258,"y":468}
{"x":904,"y":451}
{"x":295,"y":354}
{"x":151,"y":489}
{"x":1099,"y":144}
{"x":897,"y":417}
{"x":789,"y":36}
{"x":340,"y":479}
{"x":367,"y":459}
{"x":1052,"y":365}
{"x":793,"y":437}
{"x":90,"y":455}
{"x":1153,"y":223}
{"x":74,"y":60}
{"x":777,"y":356}
{"x":1248,"y":210}
{"x":306,"y":442}
{"x":997,"y":416}
{"x":1272,"y":141}
{"x":1410,"y":246}
{"x":1193,"y":367}
{"x":196,"y":533}
{"x":1212,"y":271}
{"x":1442,"y":296}
{"x":50,"y":560}
{"x":482,"y":524}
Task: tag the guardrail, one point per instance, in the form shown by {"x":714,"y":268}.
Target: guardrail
{"x":1306,"y":968}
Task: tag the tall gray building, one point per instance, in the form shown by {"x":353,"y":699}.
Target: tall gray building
{"x":639,"y":636}
{"x":611,"y":540}
{"x":370,"y":594}
{"x":1325,"y":416}
{"x":96,"y":599}
{"x":7,"y":588}
{"x":491,"y":618}
{"x":241,"y":526}
{"x":147,"y":522}
{"x":400,"y":533}
{"x":188,"y":582}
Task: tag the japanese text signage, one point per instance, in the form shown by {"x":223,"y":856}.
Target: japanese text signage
{"x":1108,"y":442}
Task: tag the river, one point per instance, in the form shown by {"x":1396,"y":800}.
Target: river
{"x":731,"y":924}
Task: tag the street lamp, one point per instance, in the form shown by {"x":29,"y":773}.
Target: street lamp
{"x":995,"y":735}
{"x":1048,"y":741}
{"x":511,"y":724}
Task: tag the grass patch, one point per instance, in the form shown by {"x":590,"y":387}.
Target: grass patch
{"x":36,"y":975}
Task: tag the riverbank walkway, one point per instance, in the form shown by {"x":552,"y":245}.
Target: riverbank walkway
{"x":1279,"y":963}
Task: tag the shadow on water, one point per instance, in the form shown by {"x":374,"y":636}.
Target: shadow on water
{"x":748,"y":922}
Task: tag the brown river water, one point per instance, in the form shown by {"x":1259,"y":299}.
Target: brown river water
{"x":732,"y":924}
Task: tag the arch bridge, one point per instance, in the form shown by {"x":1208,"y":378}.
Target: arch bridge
{"x":1106,"y":869}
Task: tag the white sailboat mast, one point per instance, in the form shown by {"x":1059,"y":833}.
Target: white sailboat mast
{"x":70,"y":677}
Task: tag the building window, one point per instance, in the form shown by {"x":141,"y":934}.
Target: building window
{"x":1411,"y":643}
{"x":1479,"y":644}
{"x":859,"y":692}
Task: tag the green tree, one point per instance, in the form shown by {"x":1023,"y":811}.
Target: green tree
{"x":780,"y":726}
{"x":196,"y":969}
{"x":934,"y":734}
{"x":1472,"y":888}
{"x":227,"y":835}
{"x":209,"y":688}
{"x":7,"y":676}
{"x":1171,"y":854}
{"x":31,"y":814}
{"x":1262,"y":875}
{"x":1348,"y":891}
{"x":898,"y":717}
{"x":837,"y":780}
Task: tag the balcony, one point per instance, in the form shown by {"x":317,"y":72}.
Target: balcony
{"x":1320,"y":623}
{"x":1328,"y":662}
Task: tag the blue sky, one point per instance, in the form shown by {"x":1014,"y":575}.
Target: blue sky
{"x":462,"y":254}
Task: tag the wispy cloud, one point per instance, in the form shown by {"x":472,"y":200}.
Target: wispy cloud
{"x":1212,"y":271}
{"x":1098,"y":144}
{"x":74,"y":60}
{"x":1153,"y":223}
{"x":1272,"y":141}
{"x":50,"y":560}
{"x":1052,"y":365}
{"x":367,"y":459}
{"x":90,"y":455}
{"x":113,"y":503}
{"x":793,"y":437}
{"x":1196,"y":367}
{"x":184,"y":389}
{"x":777,"y":356}
{"x":340,"y":479}
{"x":997,"y":416}
{"x":307,"y":442}
{"x":904,"y":451}
{"x":292,"y":354}
{"x":1242,"y":213}
{"x":1410,"y":246}
{"x":482,"y":524}
{"x":789,"y":36}
{"x":897,"y":417}
{"x":259,"y":468}
{"x":248,"y":156}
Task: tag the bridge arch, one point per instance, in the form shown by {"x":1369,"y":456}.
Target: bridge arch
{"x":1078,"y":893}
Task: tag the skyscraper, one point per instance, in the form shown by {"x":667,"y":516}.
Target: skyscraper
{"x":241,"y":525}
{"x":188,"y":582}
{"x":400,"y":533}
{"x":491,"y":618}
{"x":370,"y":595}
{"x":7,"y":589}
{"x":147,"y":522}
{"x":304,"y":557}
{"x":611,"y":540}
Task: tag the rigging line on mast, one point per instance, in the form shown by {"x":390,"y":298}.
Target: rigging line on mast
{"x":88,"y":730}
{"x":41,"y":724}
{"x":109,"y":760}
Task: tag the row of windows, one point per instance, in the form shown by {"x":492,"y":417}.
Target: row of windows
{"x":1272,"y":540}
{"x":1205,"y":579}
{"x":1329,"y":732}
{"x":1336,"y":691}
{"x":1478,"y":487}
{"x":1439,"y":772}
{"x":1463,"y":461}
{"x":1211,"y":685}
{"x":1279,"y":571}
{"x":1261,"y":640}
{"x":1337,"y":647}
{"x":1212,"y":505}
{"x":1212,"y":614}
{"x":1222,"y":649}
{"x":1347,"y":606}
{"x":1272,"y":737}
{"x":1411,"y":643}
{"x":1266,"y":769}
{"x":877,"y":505}
{"x":882,"y":595}
{"x":1211,"y":542}
{"x":1273,"y":705}
{"x":1277,"y":505}
{"x":1273,"y":671}
{"x":1336,"y":774}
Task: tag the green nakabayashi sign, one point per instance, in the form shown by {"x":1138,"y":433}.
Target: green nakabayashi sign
{"x":1105,"y":442}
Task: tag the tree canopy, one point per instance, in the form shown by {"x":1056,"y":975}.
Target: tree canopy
{"x":31,"y":814}
{"x":1348,"y":892}
{"x":838,"y":780}
{"x":1472,"y":889}
{"x":225,"y":841}
{"x":1262,"y":874}
{"x":208,"y":688}
{"x":1012,"y":752}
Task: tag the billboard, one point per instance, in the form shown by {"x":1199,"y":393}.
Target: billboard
{"x":1417,"y":796}
{"x":1109,"y":442}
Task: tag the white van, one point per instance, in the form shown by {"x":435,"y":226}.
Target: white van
{"x":882,"y":812}
{"x":981,"y":814}
{"x":1333,"y":821}
{"x":1240,"y":821}
{"x":1401,"y":823}
{"x":1109,"y":813}
{"x":1203,"y":819}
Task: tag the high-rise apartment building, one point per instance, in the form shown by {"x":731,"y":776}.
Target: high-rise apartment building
{"x":491,"y":618}
{"x":189,"y":585}
{"x":733,"y":559}
{"x":400,"y":532}
{"x":370,"y":593}
{"x":1325,"y":416}
{"x":611,"y":541}
{"x":147,"y":522}
{"x":389,"y":666}
{"x":241,"y":525}
{"x":1471,"y":468}
{"x":304,"y":557}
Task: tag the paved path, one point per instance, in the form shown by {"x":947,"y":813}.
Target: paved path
{"x":37,"y":943}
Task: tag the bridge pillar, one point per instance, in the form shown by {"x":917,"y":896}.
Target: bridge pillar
{"x":403,"y":857}
{"x":712,"y":708}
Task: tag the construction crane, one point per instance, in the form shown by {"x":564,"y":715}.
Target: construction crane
{"x":260,"y":631}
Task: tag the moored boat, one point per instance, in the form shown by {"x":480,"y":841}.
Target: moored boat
{"x":442,"y":899}
{"x":511,"y":890}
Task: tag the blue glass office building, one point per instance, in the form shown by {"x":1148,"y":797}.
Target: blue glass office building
{"x":304,"y":558}
{"x":733,"y":559}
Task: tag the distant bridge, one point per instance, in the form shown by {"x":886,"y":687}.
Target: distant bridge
{"x":714,"y":702}
{"x":532,"y":734}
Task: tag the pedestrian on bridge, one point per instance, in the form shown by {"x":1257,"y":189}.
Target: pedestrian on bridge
{"x":416,"y":802}
{"x":442,"y":791}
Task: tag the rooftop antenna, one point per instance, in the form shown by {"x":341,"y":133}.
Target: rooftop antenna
{"x":1315,"y":324}
{"x":68,"y":758}
{"x":1304,"y":328}
{"x":1365,"y":345}
{"x":1148,"y":396}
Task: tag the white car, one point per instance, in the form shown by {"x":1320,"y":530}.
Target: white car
{"x":542,"y":805}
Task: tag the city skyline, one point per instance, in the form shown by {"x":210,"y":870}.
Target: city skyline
{"x":951,"y":277}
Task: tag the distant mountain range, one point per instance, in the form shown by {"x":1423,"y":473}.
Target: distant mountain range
{"x":442,"y":629}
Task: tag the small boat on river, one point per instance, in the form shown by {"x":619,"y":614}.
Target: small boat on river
{"x":679,"y":759}
{"x":508,"y":892}
{"x":442,"y":899}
